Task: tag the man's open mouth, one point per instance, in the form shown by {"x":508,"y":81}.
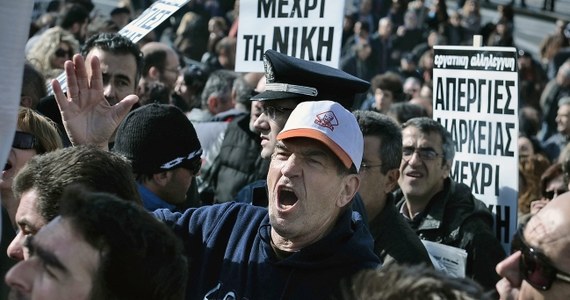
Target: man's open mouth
{"x":287,"y":198}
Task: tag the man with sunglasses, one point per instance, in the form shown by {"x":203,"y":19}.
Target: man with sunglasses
{"x":439,"y":209}
{"x":539,"y":264}
{"x":164,"y":152}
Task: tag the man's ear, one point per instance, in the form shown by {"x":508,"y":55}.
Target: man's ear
{"x":213,"y":104}
{"x":161,"y":179}
{"x":154,"y":73}
{"x":447,"y":168}
{"x":350,"y":185}
{"x":391,"y":180}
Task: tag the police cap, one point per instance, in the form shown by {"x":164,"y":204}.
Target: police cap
{"x":292,"y":78}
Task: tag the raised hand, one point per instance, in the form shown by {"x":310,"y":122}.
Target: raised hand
{"x":87,"y":116}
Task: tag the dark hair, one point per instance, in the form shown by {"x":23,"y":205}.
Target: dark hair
{"x":116,"y":44}
{"x":534,"y":142}
{"x":120,"y":10}
{"x":376,"y":124}
{"x":403,"y":111}
{"x":154,"y":58}
{"x":49,"y":174}
{"x":427,"y":125}
{"x":388,"y":81}
{"x":416,"y":282}
{"x":33,"y":84}
{"x":154,"y":92}
{"x":529,"y":120}
{"x":195,"y":76}
{"x":140,"y":257}
{"x":550,"y":174}
{"x":71,"y":14}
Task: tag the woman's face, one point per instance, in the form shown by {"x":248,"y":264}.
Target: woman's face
{"x":63,"y":53}
{"x":17,"y":158}
{"x":525,"y":147}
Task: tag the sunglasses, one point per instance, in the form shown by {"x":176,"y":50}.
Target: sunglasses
{"x":534,"y":266}
{"x":63,"y":53}
{"x":24,"y":140}
{"x":552,"y":194}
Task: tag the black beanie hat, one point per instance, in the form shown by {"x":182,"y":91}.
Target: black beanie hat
{"x":157,"y":138}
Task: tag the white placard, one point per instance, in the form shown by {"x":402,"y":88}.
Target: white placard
{"x":306,"y":29}
{"x":14,"y":29}
{"x":475,"y":96}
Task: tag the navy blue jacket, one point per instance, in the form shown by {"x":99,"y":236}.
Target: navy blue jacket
{"x":230,"y":255}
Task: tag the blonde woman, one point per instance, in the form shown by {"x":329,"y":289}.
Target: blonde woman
{"x":50,"y":52}
{"x":35,"y":134}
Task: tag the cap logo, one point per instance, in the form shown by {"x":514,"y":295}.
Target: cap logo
{"x":327,"y":119}
{"x":269,"y":73}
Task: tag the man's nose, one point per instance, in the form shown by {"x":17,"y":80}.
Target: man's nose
{"x":261,"y":123}
{"x":509,"y":269}
{"x":16,"y":248}
{"x":109,"y":93}
{"x":291,"y":167}
{"x":414,"y":159}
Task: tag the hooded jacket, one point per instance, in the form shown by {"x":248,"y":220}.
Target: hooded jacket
{"x":231,"y":257}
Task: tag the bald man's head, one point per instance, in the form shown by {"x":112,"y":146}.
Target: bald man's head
{"x":161,"y":63}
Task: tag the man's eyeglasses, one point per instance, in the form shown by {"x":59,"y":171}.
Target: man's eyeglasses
{"x":24,"y":140}
{"x":534,"y":266}
{"x":275,"y":111}
{"x":63,"y":53}
{"x":424,"y":153}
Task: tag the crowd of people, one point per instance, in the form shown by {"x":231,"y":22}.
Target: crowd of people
{"x":158,"y":172}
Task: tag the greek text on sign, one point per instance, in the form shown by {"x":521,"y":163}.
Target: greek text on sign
{"x":306,"y":29}
{"x":479,"y":61}
{"x":475,"y":98}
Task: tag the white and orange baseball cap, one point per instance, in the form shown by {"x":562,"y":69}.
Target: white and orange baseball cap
{"x":329,"y":123}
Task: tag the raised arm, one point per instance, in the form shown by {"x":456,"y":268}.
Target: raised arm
{"x":87,"y":116}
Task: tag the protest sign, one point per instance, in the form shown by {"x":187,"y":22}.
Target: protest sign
{"x":14,"y":29}
{"x":475,"y":97}
{"x":306,"y":29}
